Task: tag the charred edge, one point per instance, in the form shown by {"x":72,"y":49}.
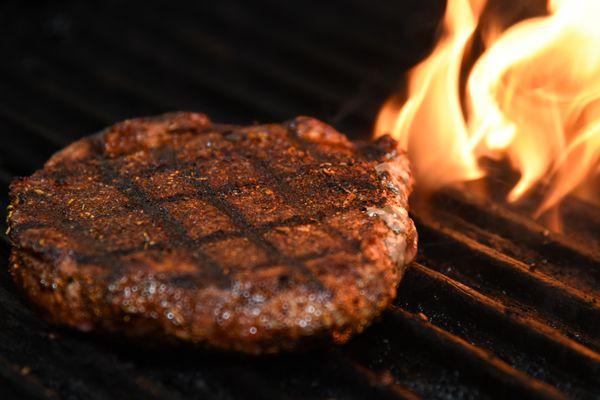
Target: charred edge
{"x":377,"y":149}
{"x":291,"y":130}
{"x":73,"y":228}
{"x":22,"y":228}
{"x":106,"y":257}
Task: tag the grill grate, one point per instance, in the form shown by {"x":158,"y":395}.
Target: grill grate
{"x":494,"y":307}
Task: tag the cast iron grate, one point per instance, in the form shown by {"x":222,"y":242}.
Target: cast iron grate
{"x":495,"y":306}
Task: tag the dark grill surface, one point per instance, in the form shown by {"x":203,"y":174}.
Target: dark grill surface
{"x":495,"y":306}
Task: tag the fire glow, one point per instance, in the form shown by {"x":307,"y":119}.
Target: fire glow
{"x":533,"y":97}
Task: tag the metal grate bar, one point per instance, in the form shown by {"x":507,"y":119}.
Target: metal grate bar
{"x":482,"y":266}
{"x":20,"y":382}
{"x":103,"y":378}
{"x":522,"y":229}
{"x":481,"y":362}
{"x":533,"y":336}
{"x":580,"y":273}
{"x":381,"y":387}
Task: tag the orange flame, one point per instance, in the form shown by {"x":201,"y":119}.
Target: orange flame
{"x":533,"y":96}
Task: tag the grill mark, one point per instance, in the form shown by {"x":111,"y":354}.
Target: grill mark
{"x":72,"y":228}
{"x":217,"y":200}
{"x":181,"y":279}
{"x":246,"y":229}
{"x":57,"y":211}
{"x":24,"y":227}
{"x":176,"y":233}
{"x":291,"y":131}
{"x":115,"y":254}
{"x":98,"y":148}
{"x":228,"y":187}
{"x":215,"y":197}
{"x":292,"y":135}
{"x":217,"y":236}
{"x":292,"y":197}
{"x":284,"y":191}
{"x":193,"y":130}
{"x":148,"y":172}
{"x":307,"y":257}
{"x":225,"y":189}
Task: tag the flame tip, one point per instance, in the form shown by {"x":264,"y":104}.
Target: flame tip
{"x":533,"y":96}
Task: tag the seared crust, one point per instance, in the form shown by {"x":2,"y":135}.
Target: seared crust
{"x":253,"y":239}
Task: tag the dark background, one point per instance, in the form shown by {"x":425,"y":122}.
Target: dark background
{"x":71,"y":68}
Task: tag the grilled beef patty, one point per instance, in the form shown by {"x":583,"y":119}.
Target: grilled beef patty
{"x":250,"y":238}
